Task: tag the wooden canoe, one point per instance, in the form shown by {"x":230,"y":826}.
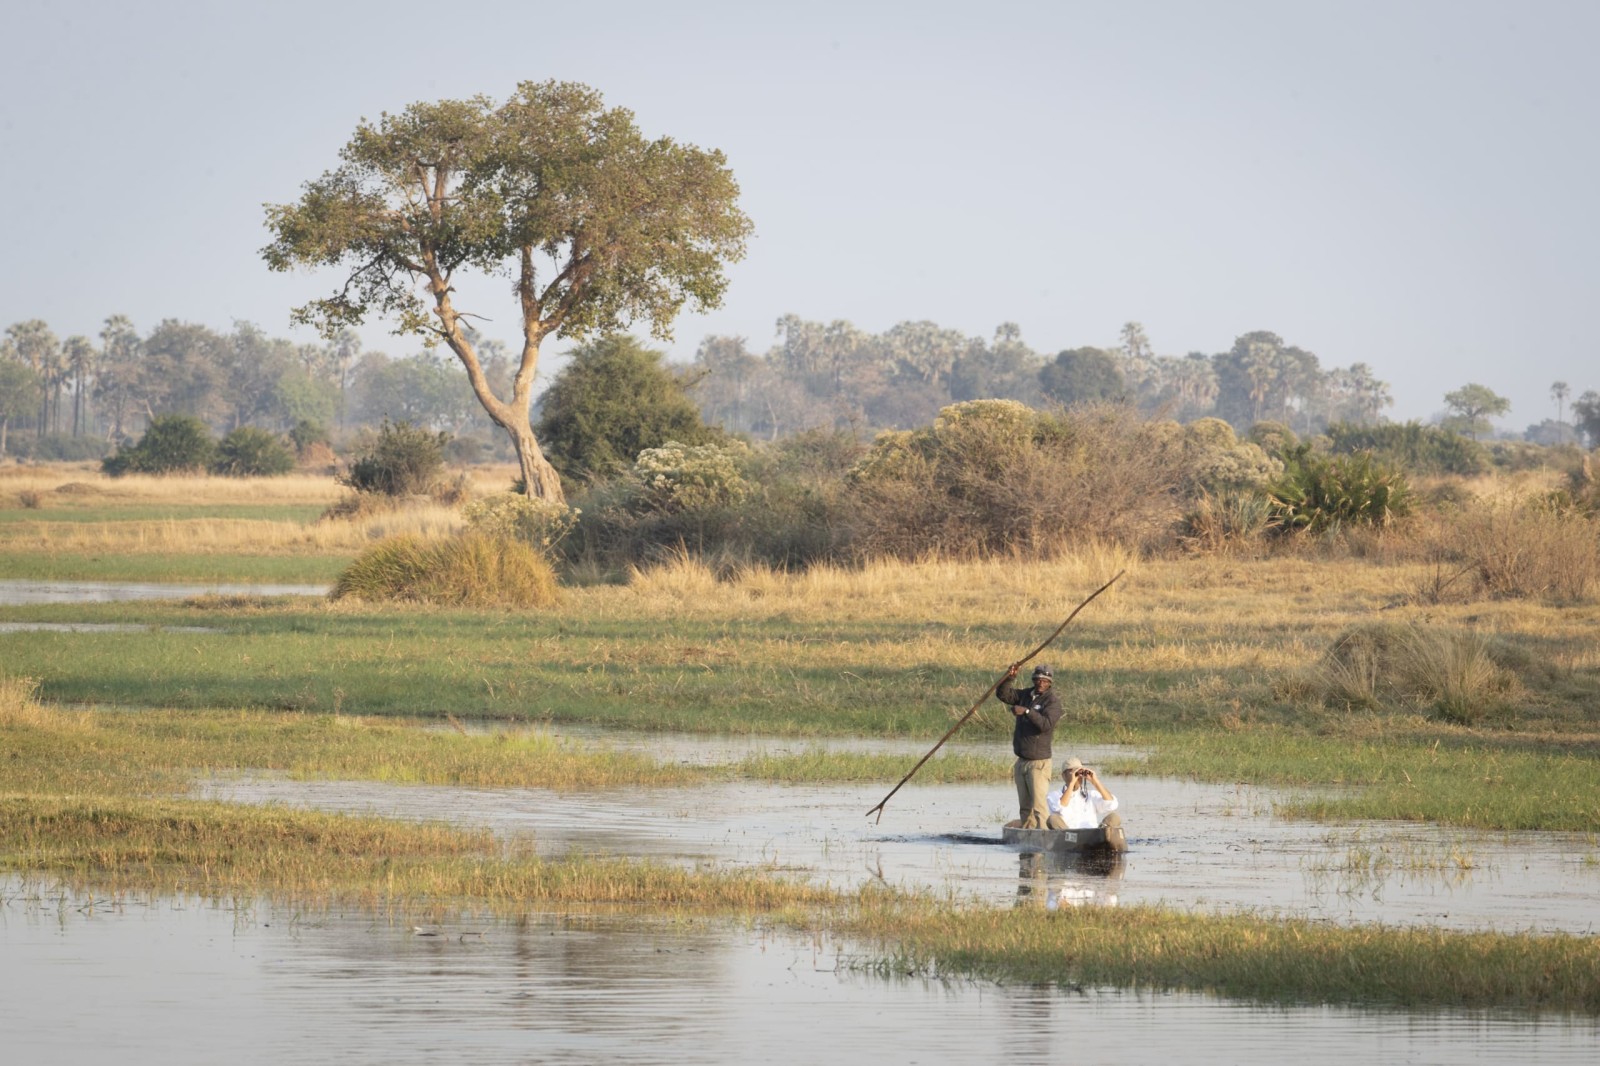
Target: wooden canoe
{"x":1064,"y":841}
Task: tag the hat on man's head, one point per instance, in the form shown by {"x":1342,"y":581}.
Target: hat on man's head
{"x":1043,"y":671}
{"x":1072,"y":764}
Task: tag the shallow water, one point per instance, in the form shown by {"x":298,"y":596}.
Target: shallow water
{"x":1198,"y":846}
{"x":171,"y":982}
{"x":15,"y":591}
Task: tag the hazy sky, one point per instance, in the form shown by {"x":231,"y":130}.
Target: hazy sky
{"x":1414,"y":185}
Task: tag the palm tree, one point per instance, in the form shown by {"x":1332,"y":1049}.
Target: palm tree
{"x":1559,"y":392}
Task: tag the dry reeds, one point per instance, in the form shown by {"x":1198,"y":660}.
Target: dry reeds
{"x":467,"y":570}
{"x":1457,"y":672}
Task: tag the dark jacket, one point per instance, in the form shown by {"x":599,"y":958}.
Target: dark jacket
{"x":1031,"y":737}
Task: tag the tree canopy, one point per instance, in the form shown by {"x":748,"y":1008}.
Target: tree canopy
{"x":598,"y":228}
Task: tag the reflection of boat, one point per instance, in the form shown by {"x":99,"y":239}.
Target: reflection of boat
{"x":1067,"y":841}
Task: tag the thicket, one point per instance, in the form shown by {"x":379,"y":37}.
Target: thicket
{"x":1411,"y":446}
{"x":251,"y":452}
{"x":172,"y":444}
{"x":399,"y":460}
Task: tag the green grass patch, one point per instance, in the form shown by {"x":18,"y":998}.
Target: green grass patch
{"x":1263,"y":960}
{"x":219,"y":850}
{"x":174,"y":568}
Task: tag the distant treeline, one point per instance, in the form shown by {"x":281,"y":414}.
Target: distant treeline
{"x":76,"y":398}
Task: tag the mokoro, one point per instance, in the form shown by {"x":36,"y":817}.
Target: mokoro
{"x":1111,"y":838}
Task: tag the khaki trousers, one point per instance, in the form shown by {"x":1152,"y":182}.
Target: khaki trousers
{"x":1033,"y":785}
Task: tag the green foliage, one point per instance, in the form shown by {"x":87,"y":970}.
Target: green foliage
{"x":1318,"y":494}
{"x":306,"y":433}
{"x":252,"y":452}
{"x":472,"y":570}
{"x":1474,"y":405}
{"x":1417,"y":448}
{"x":1083,"y":375}
{"x":515,"y":516}
{"x":1216,"y":462}
{"x":171,"y":444}
{"x":612,"y":401}
{"x":677,"y":477}
{"x":401,"y":460}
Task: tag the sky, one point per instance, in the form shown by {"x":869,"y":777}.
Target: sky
{"x":1411,"y":184}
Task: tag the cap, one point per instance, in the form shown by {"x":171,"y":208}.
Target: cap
{"x":1043,"y":671}
{"x":1072,"y":764}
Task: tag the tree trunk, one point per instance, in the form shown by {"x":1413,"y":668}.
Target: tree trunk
{"x":538,"y":476}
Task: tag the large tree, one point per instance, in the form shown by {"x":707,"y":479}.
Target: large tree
{"x":597,"y":228}
{"x":1473,"y":405}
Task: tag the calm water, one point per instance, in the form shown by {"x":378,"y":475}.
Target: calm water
{"x":171,"y":982}
{"x":15,"y":591}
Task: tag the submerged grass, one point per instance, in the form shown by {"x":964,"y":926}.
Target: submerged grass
{"x":217,"y":850}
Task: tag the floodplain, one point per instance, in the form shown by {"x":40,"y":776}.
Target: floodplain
{"x":156,"y":763}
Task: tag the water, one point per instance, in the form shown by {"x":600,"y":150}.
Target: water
{"x":19,"y":591}
{"x":171,"y":982}
{"x":1197,"y":846}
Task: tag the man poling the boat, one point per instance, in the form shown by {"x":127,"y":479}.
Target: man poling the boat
{"x":1036,"y":709}
{"x":878,"y":809}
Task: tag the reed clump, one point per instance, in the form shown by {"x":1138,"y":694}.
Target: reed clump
{"x":469,"y":570}
{"x":1463,"y":675}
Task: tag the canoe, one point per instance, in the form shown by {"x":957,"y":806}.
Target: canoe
{"x":1060,"y":841}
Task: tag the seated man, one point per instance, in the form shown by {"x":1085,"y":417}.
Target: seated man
{"x":1083,"y":802}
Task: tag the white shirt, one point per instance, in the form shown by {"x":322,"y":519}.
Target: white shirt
{"x":1081,"y":811}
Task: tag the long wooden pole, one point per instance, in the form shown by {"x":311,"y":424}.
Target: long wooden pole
{"x":991,"y":690}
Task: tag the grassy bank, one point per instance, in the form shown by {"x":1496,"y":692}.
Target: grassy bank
{"x":1274,"y":961}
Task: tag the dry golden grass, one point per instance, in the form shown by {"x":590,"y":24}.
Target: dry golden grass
{"x":224,"y":536}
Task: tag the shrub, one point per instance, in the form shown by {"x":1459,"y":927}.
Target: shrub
{"x":1225,"y":521}
{"x":252,"y":452}
{"x":542,"y":524}
{"x":471,"y":570}
{"x":1318,"y":494}
{"x":678,"y":477}
{"x":1216,"y":461}
{"x":1414,"y":447}
{"x":994,"y":477}
{"x":401,"y":460}
{"x":171,"y":444}
{"x":307,"y":434}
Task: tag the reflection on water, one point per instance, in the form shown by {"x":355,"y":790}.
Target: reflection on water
{"x":1200,"y":846}
{"x":16,"y":591}
{"x":173,"y":982}
{"x":98,"y":627}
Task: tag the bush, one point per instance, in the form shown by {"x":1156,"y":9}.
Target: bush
{"x":252,"y":452}
{"x":993,"y":477}
{"x":306,"y":434}
{"x":401,"y":460}
{"x":676,"y":477}
{"x":543,"y":524}
{"x":171,"y":444}
{"x":1414,"y":447}
{"x":471,"y":570}
{"x":1319,"y":494}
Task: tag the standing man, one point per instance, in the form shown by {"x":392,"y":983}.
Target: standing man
{"x":1037,"y":711}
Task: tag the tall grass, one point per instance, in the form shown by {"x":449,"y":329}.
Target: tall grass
{"x":1459,"y":673}
{"x":1530,"y":549}
{"x":468,"y":570}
